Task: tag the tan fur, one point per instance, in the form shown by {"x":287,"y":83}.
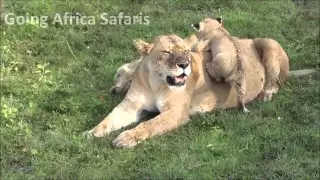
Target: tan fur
{"x":276,"y":64}
{"x":124,"y":74}
{"x":123,"y":77}
{"x":257,"y":52}
{"x":227,"y":62}
{"x":149,"y":91}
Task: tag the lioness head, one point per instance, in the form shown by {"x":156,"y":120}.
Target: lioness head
{"x":168,"y":58}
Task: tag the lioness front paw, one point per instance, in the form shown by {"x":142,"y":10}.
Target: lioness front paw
{"x":98,"y":131}
{"x":125,"y":140}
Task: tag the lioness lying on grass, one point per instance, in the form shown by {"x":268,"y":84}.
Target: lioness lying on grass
{"x":172,"y":80}
{"x":271,"y":55}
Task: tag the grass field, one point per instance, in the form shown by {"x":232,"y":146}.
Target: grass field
{"x":55,"y":82}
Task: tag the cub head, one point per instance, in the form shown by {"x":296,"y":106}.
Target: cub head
{"x":168,"y":58}
{"x":208,"y":24}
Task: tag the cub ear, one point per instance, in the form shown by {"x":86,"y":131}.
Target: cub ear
{"x":219,"y":19}
{"x":142,"y":47}
{"x":196,"y":26}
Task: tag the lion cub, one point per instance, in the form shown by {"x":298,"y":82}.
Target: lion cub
{"x":227,"y":63}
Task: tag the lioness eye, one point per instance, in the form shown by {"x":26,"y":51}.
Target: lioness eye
{"x":166,"y":52}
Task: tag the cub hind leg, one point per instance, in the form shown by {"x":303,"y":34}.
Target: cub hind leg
{"x":221,"y":67}
{"x":240,"y":87}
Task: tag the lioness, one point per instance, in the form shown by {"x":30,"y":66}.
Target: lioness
{"x":263,"y":50}
{"x":172,"y":80}
{"x":227,"y":62}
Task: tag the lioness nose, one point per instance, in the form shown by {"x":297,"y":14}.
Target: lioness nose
{"x":183,"y":65}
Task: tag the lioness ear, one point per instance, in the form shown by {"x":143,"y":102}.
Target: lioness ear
{"x":142,"y":47}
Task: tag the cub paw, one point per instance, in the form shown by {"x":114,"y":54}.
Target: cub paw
{"x":245,"y":110}
{"x":210,"y":70}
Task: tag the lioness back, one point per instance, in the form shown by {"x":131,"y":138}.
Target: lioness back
{"x":274,"y":60}
{"x":210,"y":95}
{"x":271,"y":47}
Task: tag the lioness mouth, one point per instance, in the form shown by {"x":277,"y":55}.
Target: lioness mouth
{"x":177,"y":80}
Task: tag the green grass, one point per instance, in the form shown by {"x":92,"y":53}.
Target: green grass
{"x":50,"y":95}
